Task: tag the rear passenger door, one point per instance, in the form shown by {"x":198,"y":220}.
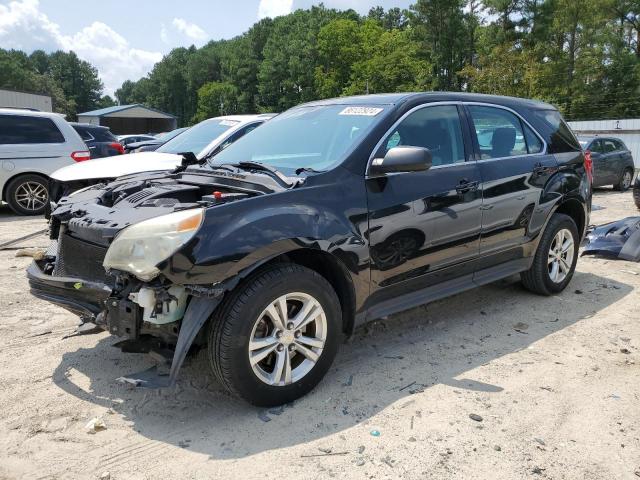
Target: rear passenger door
{"x":514,"y":168}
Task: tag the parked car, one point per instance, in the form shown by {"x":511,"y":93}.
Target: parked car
{"x":245,"y":255}
{"x":612,"y":162}
{"x":203,"y":140}
{"x":127,"y":139}
{"x":153,"y":145}
{"x":32,"y":146}
{"x":100,"y":141}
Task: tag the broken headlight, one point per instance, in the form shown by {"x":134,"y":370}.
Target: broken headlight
{"x":139,"y":248}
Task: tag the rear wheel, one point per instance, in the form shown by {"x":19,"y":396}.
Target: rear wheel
{"x":636,"y":193}
{"x":625,"y":181}
{"x":276,"y":336}
{"x":555,"y":260}
{"x":28,"y":194}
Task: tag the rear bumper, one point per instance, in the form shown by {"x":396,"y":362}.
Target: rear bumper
{"x":85,"y":299}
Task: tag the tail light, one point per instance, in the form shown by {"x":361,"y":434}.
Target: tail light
{"x":81,"y":156}
{"x":117,"y":147}
{"x":588,"y":165}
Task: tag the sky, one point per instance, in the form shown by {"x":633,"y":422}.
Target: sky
{"x":123,"y":39}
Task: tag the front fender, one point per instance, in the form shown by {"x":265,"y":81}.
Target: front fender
{"x":330,"y":216}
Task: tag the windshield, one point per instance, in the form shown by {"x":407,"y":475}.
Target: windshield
{"x":316,"y":137}
{"x":197,"y":137}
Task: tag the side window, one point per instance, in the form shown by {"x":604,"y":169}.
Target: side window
{"x":20,"y":129}
{"x":620,"y":145}
{"x":609,"y":146}
{"x":500,"y":133}
{"x":436,"y":128}
{"x":85,"y":135}
{"x":596,"y":146}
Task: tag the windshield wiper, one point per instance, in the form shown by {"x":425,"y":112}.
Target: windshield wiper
{"x":271,"y":171}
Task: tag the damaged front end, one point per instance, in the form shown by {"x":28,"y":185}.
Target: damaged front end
{"x":618,"y":240}
{"x":111,"y":245}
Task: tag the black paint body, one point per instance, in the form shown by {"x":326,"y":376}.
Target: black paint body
{"x":395,"y":241}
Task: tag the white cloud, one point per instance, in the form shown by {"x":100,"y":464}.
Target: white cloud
{"x":274,"y":8}
{"x":191,"y":30}
{"x":24,"y":27}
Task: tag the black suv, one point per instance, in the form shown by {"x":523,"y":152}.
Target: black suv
{"x":333,"y":213}
{"x":100,"y":141}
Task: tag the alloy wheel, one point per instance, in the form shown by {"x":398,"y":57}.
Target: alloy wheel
{"x":287,"y":339}
{"x":561,"y":256}
{"x":626,"y":180}
{"x":31,"y":196}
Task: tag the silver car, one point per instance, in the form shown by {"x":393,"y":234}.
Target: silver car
{"x":32,"y":146}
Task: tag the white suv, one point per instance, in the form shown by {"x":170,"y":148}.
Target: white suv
{"x":32,"y":146}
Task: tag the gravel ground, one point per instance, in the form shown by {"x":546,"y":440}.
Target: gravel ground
{"x":551,"y":384}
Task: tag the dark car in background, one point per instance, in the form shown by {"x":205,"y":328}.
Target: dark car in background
{"x":329,"y":215}
{"x":125,"y":140}
{"x":153,"y":145}
{"x":612,"y":162}
{"x":100,"y":141}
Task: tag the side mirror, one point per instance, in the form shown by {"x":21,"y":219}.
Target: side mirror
{"x":402,"y":159}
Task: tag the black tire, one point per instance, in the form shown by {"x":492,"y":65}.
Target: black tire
{"x":537,"y":278}
{"x":624,"y":182}
{"x":230,"y":331}
{"x":31,"y":182}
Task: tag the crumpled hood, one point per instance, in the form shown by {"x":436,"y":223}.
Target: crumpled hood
{"x":113,"y":167}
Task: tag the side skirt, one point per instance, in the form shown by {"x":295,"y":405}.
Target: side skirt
{"x":444,"y":289}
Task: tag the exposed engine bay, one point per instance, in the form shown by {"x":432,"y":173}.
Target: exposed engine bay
{"x":145,"y":309}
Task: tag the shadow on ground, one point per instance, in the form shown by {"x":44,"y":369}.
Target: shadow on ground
{"x":386,"y":362}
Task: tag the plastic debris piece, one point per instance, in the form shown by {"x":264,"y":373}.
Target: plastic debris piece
{"x":375,"y":433}
{"x":95,"y":425}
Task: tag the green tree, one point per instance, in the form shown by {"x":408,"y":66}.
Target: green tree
{"x":216,"y":99}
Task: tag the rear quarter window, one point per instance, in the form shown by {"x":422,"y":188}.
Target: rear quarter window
{"x":20,"y":129}
{"x":562,"y":138}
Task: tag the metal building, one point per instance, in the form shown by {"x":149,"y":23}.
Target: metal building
{"x":126,"y":119}
{"x":17,"y":99}
{"x":627,"y":130}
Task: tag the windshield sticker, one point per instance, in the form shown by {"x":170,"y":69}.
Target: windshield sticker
{"x":228,"y":123}
{"x":361,"y":111}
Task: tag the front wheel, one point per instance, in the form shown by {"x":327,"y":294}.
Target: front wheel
{"x":276,"y":336}
{"x":556,"y":258}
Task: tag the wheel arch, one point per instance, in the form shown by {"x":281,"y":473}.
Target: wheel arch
{"x":574,"y":209}
{"x":325,"y":264}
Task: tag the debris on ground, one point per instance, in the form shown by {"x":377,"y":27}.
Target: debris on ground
{"x":105,"y":476}
{"x":349,"y":382}
{"x":475,"y":417}
{"x":497,"y":448}
{"x":520,"y":327}
{"x":86,"y":328}
{"x":626,"y":351}
{"x":35,"y":253}
{"x":323,"y":454}
{"x":375,"y":433}
{"x":95,"y":425}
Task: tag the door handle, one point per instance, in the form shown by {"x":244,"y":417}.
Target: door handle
{"x":465,"y":186}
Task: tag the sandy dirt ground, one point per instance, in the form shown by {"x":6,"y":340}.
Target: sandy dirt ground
{"x":554,"y":382}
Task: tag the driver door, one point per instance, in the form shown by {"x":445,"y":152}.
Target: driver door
{"x":424,"y":227}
